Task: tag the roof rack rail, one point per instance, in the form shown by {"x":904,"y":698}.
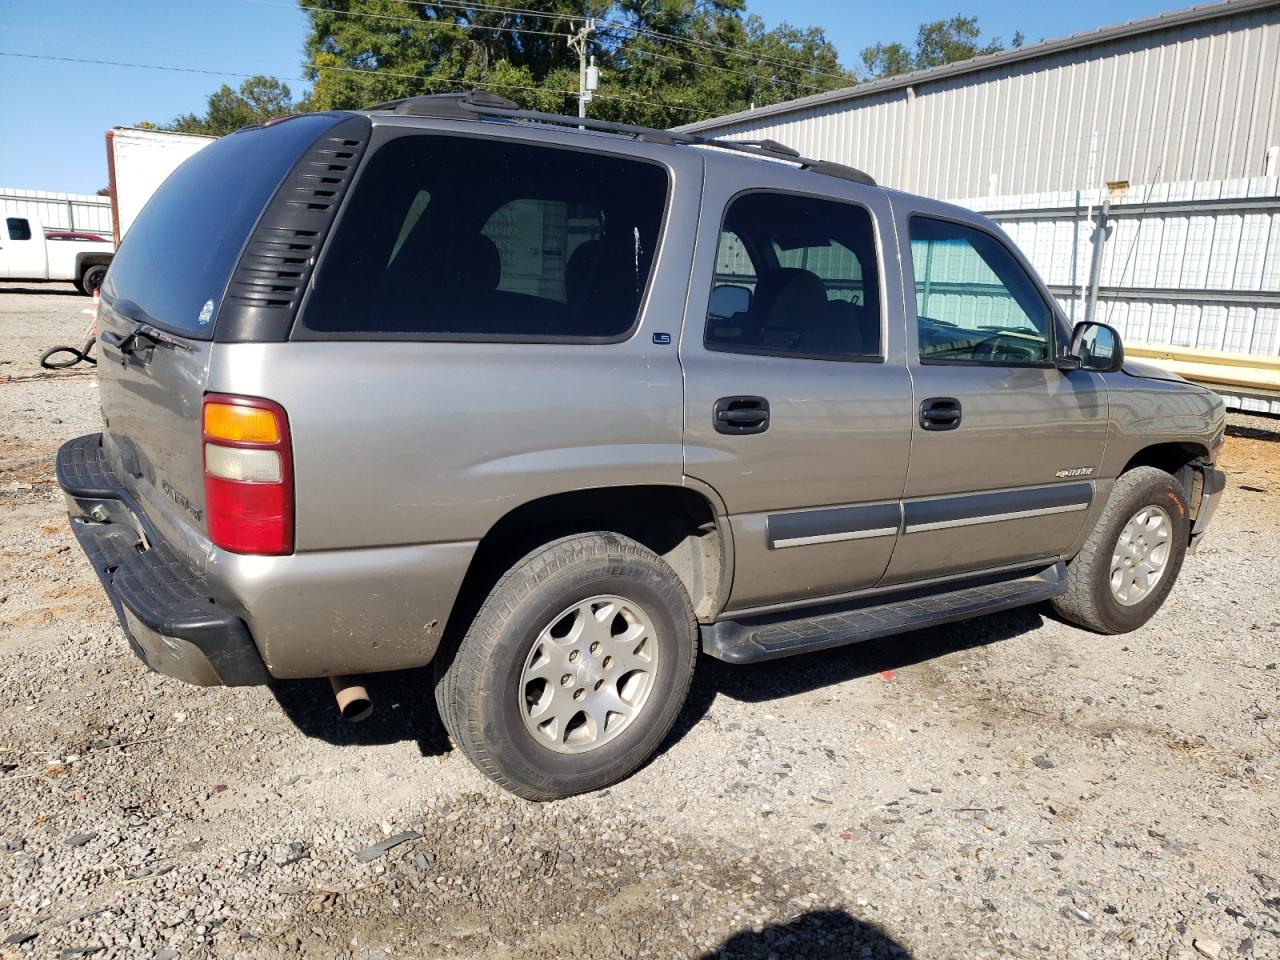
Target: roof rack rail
{"x":477,"y":104}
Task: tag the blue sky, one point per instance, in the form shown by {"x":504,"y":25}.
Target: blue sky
{"x":55,"y":113}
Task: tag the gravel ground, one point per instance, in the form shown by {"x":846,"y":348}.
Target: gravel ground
{"x":1007,"y":787}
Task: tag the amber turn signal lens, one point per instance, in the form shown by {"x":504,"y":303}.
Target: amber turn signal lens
{"x":227,"y":421}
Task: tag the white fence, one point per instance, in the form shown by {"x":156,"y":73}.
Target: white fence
{"x":59,"y":211}
{"x":1193,"y":264}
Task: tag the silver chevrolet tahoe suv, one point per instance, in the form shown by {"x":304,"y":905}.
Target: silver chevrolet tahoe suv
{"x":556,"y":404}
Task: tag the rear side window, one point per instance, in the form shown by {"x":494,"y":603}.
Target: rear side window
{"x":796,"y":276}
{"x":176,"y":258}
{"x":468,"y":238}
{"x":19,"y":229}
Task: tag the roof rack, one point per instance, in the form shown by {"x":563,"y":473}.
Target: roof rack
{"x":478,"y":104}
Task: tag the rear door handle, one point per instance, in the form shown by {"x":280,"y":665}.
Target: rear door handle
{"x":940,"y":413}
{"x":741,"y":415}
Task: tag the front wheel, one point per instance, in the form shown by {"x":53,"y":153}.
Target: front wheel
{"x":1128,"y":565}
{"x":575,"y":668}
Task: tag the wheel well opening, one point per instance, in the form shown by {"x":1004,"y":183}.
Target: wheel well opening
{"x":676,"y":523}
{"x":1178,"y":460}
{"x":94,"y":260}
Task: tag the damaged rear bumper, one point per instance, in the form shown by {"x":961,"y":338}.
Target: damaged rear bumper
{"x":173,"y":622}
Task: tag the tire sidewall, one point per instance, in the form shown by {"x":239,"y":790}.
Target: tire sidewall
{"x":1161,"y":491}
{"x":88,"y":287}
{"x":514,"y":748}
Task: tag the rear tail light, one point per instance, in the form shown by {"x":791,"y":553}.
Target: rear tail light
{"x":248,"y":474}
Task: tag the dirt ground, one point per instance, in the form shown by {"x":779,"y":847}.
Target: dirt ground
{"x":1007,"y":787}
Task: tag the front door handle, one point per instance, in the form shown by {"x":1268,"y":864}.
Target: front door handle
{"x":940,"y":413}
{"x":741,"y":415}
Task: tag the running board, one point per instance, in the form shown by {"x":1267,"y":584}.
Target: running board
{"x":754,"y":639}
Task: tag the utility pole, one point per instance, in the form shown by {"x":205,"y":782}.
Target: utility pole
{"x":588,"y":77}
{"x":1101,"y":227}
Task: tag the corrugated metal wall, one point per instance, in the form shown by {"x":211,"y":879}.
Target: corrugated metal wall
{"x":1194,"y":102}
{"x":59,"y":211}
{"x":1192,"y":265}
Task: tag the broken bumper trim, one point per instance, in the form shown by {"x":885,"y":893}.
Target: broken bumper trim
{"x":1215,"y":481}
{"x":173,"y":622}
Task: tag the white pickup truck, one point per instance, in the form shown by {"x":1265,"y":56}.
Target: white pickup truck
{"x":29,"y":252}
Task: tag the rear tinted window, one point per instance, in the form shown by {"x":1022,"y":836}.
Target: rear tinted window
{"x":175,"y":260}
{"x":19,"y":229}
{"x":459,"y":238}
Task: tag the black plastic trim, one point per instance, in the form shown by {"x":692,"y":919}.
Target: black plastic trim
{"x":978,"y":505}
{"x":275,"y":267}
{"x":834,"y":521}
{"x":153,"y":584}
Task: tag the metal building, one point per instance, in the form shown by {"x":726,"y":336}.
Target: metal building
{"x":1191,"y":95}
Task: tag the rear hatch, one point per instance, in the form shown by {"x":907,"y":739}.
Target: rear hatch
{"x":159,"y":316}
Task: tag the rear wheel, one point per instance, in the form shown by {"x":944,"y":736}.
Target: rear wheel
{"x":574,"y":669}
{"x":1132,"y":558}
{"x":91,"y":279}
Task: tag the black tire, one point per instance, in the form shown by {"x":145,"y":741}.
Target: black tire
{"x":478,"y":691}
{"x":1090,"y":600}
{"x":91,"y":279}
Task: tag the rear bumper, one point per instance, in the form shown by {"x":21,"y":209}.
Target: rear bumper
{"x":167,"y":610}
{"x":1215,"y":481}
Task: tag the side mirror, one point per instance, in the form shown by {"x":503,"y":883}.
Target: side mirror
{"x":728,"y":299}
{"x":1095,"y":347}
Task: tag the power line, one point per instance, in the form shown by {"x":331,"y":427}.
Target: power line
{"x":619,"y":25}
{"x":361,"y":71}
{"x":729,"y":70}
{"x":146,"y":66}
{"x":732,"y":51}
{"x":231,"y":73}
{"x":419,"y":21}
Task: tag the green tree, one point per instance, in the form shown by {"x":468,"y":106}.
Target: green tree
{"x":937,"y":42}
{"x":258,"y":99}
{"x":663,"y":62}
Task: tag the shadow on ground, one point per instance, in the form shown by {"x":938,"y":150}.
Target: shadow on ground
{"x":774,"y":679}
{"x":1254,"y":433}
{"x":404,"y":708}
{"x":818,"y":935}
{"x":48,"y":292}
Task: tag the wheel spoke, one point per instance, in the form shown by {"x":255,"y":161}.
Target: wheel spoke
{"x":606,"y":702}
{"x":548,"y":662}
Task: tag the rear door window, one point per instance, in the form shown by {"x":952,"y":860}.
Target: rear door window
{"x":19,"y":228}
{"x":462,"y":238}
{"x":796,"y":276}
{"x":176,"y":258}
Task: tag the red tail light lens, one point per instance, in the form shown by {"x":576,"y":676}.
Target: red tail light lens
{"x":248,"y":474}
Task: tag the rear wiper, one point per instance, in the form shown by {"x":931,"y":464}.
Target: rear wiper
{"x":145,"y":330}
